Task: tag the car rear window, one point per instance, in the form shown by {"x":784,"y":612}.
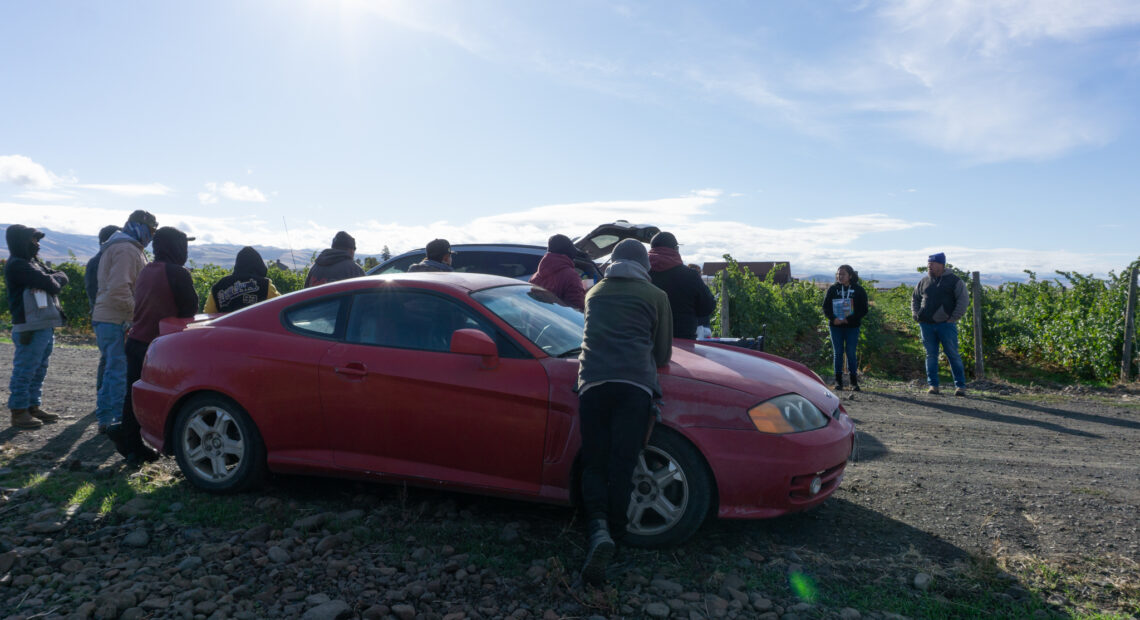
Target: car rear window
{"x":318,"y":318}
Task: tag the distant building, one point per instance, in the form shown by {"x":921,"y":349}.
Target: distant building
{"x":783,"y":269}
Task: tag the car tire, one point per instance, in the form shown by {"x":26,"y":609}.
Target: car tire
{"x":672,"y":492}
{"x":217,"y":445}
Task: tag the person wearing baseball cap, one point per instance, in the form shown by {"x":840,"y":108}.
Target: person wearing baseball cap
{"x":689,"y":297}
{"x":335,"y":263}
{"x":121,"y":260}
{"x":939,"y":300}
{"x":438,"y":258}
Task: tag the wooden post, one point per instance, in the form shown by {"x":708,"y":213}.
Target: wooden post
{"x":725,"y":327}
{"x":979,"y":361}
{"x":1129,"y":328}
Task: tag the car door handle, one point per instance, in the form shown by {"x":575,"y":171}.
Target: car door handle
{"x":355,"y":369}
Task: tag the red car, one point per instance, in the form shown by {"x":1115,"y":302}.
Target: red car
{"x":467,"y":382}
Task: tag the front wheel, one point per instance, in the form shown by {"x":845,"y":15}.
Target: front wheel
{"x":672,"y":492}
{"x":217,"y":445}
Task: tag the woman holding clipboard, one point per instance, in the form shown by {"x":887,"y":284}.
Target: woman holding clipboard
{"x":845,"y":305}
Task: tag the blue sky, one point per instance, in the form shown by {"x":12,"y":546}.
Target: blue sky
{"x":1002,"y":132}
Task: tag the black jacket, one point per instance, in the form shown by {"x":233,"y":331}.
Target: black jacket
{"x":689,"y":298}
{"x":858,"y":303}
{"x":247,"y":284}
{"x":332,"y":265}
{"x":24,"y":272}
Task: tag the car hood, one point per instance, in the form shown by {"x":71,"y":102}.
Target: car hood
{"x":753,"y":373}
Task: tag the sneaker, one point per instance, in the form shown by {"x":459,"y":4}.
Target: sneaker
{"x":933,"y":390}
{"x":960,"y":392}
{"x":41,"y":415}
{"x":838,"y":387}
{"x":600,"y":553}
{"x":114,"y":432}
{"x":855,"y":387}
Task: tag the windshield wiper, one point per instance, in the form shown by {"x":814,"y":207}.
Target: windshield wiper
{"x":575,"y":351}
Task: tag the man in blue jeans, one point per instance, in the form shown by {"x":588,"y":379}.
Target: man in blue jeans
{"x":119,"y":266}
{"x":938,"y":302}
{"x":33,"y":298}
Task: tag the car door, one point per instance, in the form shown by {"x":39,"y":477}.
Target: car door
{"x":399,"y":402}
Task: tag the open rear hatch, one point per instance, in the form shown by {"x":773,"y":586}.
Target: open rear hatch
{"x":601,"y":241}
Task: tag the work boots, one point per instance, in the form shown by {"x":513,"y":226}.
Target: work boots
{"x":22,"y":419}
{"x":600,"y":553}
{"x":854,"y":382}
{"x":41,"y":415}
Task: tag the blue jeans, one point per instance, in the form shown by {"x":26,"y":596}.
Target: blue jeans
{"x":945,"y":334}
{"x":844,"y":340}
{"x":29,"y":367}
{"x":111,"y":338}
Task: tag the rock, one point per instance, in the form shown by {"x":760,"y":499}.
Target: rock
{"x":136,"y":507}
{"x":657,"y":610}
{"x":189,"y":563}
{"x":7,"y":559}
{"x":759,"y":602}
{"x":279,"y":555}
{"x":266,"y":504}
{"x":44,"y":527}
{"x":375,"y":612}
{"x":922,"y":581}
{"x":155,"y":603}
{"x":313,"y":521}
{"x":349,"y":516}
{"x":848,"y":613}
{"x":329,"y":542}
{"x":137,"y":538}
{"x":317,"y":599}
{"x":404,"y":612}
{"x":666,"y":586}
{"x":509,"y":534}
{"x":257,"y":533}
{"x":332,"y":610}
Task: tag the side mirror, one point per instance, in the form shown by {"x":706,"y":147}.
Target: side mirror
{"x":475,"y":342}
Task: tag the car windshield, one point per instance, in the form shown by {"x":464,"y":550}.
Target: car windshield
{"x":538,"y":315}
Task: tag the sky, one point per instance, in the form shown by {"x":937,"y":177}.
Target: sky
{"x":1005,"y":133}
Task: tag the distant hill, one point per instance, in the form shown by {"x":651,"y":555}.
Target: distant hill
{"x":58,"y":247}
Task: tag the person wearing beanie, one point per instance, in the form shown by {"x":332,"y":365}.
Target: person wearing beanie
{"x":121,"y":259}
{"x":557,"y":273}
{"x":845,"y":305}
{"x":91,"y":283}
{"x":164,"y":289}
{"x":438,"y":257}
{"x":628,"y":335}
{"x":33,"y":300}
{"x":335,"y":263}
{"x":938,"y":302}
{"x":247,"y":285}
{"x":689,"y":296}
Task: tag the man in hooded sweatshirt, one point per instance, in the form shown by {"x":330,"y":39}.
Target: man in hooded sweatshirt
{"x":438,"y":257}
{"x":163,"y":289}
{"x":335,"y":263}
{"x":628,"y":335}
{"x":689,"y":296}
{"x":122,"y":258}
{"x":33,"y":299}
{"x":557,"y":274}
{"x":246,"y":286}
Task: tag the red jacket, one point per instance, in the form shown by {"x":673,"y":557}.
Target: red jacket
{"x":556,"y":273}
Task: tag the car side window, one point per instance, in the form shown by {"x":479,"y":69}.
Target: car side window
{"x":507,"y":264}
{"x":399,"y":265}
{"x":416,"y":320}
{"x":318,"y":319}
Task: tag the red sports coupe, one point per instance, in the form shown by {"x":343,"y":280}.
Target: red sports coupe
{"x":467,"y":382}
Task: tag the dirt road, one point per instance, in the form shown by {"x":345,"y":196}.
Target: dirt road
{"x":1042,"y":476}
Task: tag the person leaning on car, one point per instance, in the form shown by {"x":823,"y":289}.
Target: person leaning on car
{"x":438,"y":257}
{"x":689,"y":297}
{"x":335,"y":263}
{"x":33,"y":299}
{"x":557,"y":273}
{"x":164,"y":289}
{"x":939,"y":300}
{"x":628,"y":335}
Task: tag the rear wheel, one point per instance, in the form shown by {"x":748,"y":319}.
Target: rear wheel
{"x":217,"y":445}
{"x":672,"y":492}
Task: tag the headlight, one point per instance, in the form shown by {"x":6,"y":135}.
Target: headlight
{"x":790,"y":413}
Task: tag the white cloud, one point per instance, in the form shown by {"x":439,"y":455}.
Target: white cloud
{"x":44,"y":196}
{"x":24,"y":172}
{"x":230,"y":191}
{"x":130,"y":190}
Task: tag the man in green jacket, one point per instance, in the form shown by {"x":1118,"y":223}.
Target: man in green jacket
{"x":628,"y":336}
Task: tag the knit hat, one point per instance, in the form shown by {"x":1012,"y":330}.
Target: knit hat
{"x":632,"y":250}
{"x":106,"y":232}
{"x":937,"y":258}
{"x":343,"y":241}
{"x":664,"y":240}
{"x":561,"y":244}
